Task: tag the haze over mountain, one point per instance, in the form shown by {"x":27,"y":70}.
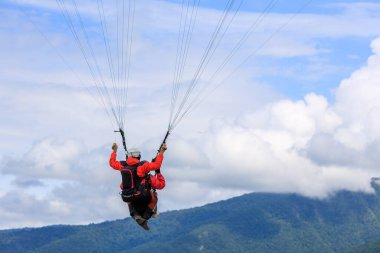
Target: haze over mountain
{"x":256,"y":222}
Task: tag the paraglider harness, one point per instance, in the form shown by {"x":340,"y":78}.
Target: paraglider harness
{"x":133,"y":189}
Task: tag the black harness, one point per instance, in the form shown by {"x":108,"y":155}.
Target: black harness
{"x":133,"y":189}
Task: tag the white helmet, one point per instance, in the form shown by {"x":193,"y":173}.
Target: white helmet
{"x":134,"y":152}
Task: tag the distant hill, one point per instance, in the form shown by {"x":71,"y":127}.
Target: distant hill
{"x":369,"y":247}
{"x":257,"y":222}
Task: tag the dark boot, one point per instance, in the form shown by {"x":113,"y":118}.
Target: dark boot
{"x":145,"y":225}
{"x":141,"y":221}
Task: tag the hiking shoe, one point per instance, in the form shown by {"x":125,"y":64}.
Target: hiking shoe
{"x":140,"y":220}
{"x":145,"y":225}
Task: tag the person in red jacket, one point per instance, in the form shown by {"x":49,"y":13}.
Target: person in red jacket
{"x":146,"y":206}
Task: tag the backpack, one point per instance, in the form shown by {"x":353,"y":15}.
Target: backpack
{"x":133,"y":190}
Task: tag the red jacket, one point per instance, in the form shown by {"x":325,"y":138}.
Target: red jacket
{"x":157,"y":181}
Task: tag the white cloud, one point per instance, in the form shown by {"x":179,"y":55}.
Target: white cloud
{"x":302,"y":145}
{"x":357,"y":100}
{"x":82,"y":181}
{"x":309,"y":146}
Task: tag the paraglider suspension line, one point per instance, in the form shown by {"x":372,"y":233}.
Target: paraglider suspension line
{"x":164,"y":141}
{"x":122,"y":137}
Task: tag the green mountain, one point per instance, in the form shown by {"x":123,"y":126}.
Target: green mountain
{"x":369,"y":247}
{"x":257,"y":222}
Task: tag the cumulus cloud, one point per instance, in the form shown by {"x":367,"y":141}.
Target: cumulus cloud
{"x":357,"y":100}
{"x":309,"y":146}
{"x":59,"y":182}
{"x":46,"y":159}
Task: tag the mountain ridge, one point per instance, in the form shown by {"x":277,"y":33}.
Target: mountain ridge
{"x":254,"y":222}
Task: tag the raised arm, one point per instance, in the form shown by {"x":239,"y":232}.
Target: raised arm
{"x":150,"y":166}
{"x":113,"y":163}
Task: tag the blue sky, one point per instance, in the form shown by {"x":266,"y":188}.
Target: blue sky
{"x":301,"y":115}
{"x":339,"y":54}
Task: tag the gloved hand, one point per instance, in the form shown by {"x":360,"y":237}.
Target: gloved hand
{"x":114,"y":147}
{"x":163,"y":148}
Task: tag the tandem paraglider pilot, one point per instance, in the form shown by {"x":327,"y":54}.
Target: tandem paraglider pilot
{"x":138,"y":185}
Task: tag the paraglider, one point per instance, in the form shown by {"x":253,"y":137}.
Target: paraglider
{"x":138,"y":185}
